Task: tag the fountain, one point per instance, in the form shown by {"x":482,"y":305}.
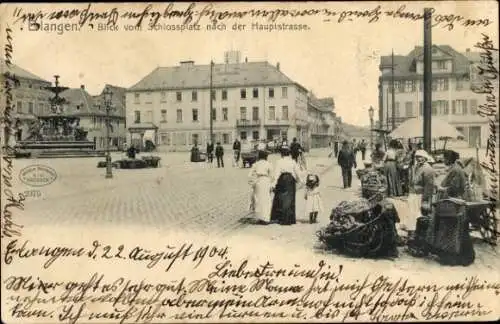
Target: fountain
{"x":57,"y":134}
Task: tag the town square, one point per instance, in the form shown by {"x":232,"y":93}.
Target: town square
{"x":334,"y":162}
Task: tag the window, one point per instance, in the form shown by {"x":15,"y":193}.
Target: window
{"x":442,"y":85}
{"x":409,"y":86}
{"x":163,"y":115}
{"x":224,"y":114}
{"x":30,"y":108}
{"x":137,"y":116}
{"x":243,"y":113}
{"x":255,"y":93}
{"x":19,"y":107}
{"x":137,"y":98}
{"x":194,"y":96}
{"x":284,"y":92}
{"x":459,"y":107}
{"x":473,"y":106}
{"x":148,"y":98}
{"x":214,"y":95}
{"x":397,"y":87}
{"x":421,"y":108}
{"x":243,"y":136}
{"x":255,"y":113}
{"x":224,"y":94}
{"x":225,"y":138}
{"x":179,"y":115}
{"x":271,"y":92}
{"x":442,"y":107}
{"x":434,"y":108}
{"x":460,"y":84}
{"x":272,"y":113}
{"x":243,"y":93}
{"x":178,"y":95}
{"x":441,"y":65}
{"x":195,"y":115}
{"x":409,"y":109}
{"x":396,"y":109}
{"x":284,"y":112}
{"x":163,"y":96}
{"x":149,"y":116}
{"x":255,"y":135}
{"x":164,"y":139}
{"x":41,"y":108}
{"x":214,"y":114}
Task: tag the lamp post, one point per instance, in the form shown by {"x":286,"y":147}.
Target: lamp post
{"x":371,"y":112}
{"x":107,"y":103}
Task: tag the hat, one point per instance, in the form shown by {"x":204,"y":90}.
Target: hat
{"x":425,"y":155}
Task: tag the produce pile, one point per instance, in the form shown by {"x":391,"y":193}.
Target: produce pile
{"x":373,"y":182}
{"x":361,"y":228}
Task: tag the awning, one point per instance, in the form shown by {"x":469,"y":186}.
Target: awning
{"x":142,"y":127}
{"x":414,"y":128}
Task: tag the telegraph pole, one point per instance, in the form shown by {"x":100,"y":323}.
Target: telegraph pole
{"x":393,"y":93}
{"x":211,"y":103}
{"x":427,"y":113}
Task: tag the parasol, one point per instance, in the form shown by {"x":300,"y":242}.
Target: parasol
{"x":414,"y":127}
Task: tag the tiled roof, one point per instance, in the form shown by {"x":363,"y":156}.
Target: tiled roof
{"x":406,"y":65}
{"x":19,"y":72}
{"x":322,"y":104}
{"x":224,"y":75}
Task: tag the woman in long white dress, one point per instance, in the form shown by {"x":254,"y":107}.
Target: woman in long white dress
{"x":261,"y":180}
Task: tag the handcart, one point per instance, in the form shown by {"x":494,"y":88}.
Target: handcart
{"x":362,"y":228}
{"x":481,"y":215}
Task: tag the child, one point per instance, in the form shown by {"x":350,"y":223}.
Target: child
{"x":313,"y":198}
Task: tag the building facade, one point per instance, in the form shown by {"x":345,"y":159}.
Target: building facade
{"x":322,"y":120}
{"x":250,"y":101}
{"x":29,"y":98}
{"x":454,"y":76}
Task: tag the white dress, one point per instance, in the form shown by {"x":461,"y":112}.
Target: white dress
{"x":313,"y":201}
{"x":260,"y":178}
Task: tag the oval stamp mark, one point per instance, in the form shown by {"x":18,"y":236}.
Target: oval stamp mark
{"x":37,"y":175}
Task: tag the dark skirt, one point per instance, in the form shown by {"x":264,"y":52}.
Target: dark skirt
{"x":283,"y":210}
{"x":394,"y":187}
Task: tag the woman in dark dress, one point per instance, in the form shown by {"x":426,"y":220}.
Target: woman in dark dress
{"x":286,"y":176}
{"x":394,"y":187}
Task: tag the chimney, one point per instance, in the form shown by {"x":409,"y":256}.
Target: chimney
{"x":82,"y":86}
{"x":467,"y":50}
{"x":278,"y":66}
{"x":187,"y":63}
{"x":246,"y":59}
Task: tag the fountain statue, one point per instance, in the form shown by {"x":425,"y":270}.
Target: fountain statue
{"x":57,"y":133}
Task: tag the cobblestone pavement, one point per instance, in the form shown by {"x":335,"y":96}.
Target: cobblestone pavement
{"x":190,"y":196}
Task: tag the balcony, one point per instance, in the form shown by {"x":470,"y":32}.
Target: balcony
{"x":247,"y":123}
{"x":277,"y":122}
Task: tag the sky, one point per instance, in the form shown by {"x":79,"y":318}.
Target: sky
{"x":332,"y":59}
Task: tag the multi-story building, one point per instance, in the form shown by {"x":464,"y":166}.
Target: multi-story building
{"x":29,"y":97}
{"x":251,"y":101}
{"x":322,"y":121}
{"x":453,"y":98}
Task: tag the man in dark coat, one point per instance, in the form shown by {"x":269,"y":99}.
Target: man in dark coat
{"x":362,"y":148}
{"x":295,"y":149}
{"x":237,"y":151}
{"x":347,"y":161}
{"x":219,"y":154}
{"x":210,"y":152}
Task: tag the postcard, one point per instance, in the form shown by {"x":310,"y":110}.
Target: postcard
{"x":249,"y":162}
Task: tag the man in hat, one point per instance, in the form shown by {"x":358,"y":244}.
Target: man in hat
{"x":347,"y":161}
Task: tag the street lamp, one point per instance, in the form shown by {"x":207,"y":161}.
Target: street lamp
{"x":108,"y":95}
{"x":370,"y":112}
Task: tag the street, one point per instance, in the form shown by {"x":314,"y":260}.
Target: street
{"x":189,"y":197}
